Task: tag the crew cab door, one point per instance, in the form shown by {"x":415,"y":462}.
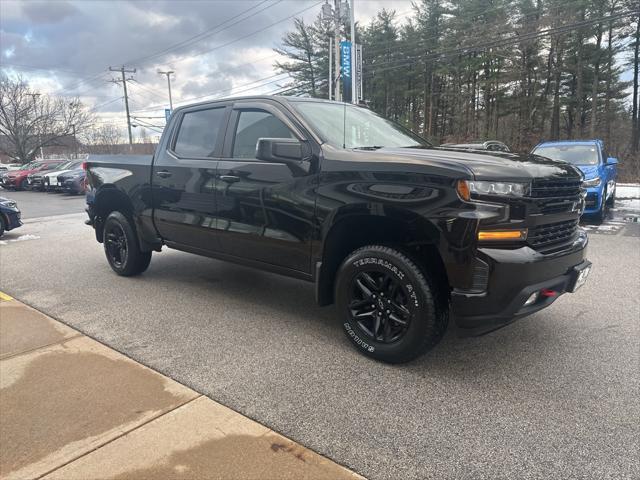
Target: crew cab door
{"x":264,"y":209}
{"x":183,"y":178}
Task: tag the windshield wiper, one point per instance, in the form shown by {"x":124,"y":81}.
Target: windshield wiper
{"x":369,"y":147}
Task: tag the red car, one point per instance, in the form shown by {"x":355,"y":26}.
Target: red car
{"x":17,"y":179}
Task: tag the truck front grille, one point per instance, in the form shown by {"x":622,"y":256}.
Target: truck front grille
{"x":552,"y":236}
{"x":565,"y":188}
{"x":556,"y":196}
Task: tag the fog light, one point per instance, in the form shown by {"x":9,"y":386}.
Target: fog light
{"x":532,"y":299}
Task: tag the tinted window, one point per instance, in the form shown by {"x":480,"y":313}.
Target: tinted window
{"x":255,"y":124}
{"x":198,"y":133}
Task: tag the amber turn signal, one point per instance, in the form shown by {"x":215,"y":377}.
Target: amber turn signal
{"x":462,"y":187}
{"x":502,"y":235}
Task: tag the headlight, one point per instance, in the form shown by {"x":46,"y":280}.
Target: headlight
{"x":592,"y":182}
{"x":10,"y":204}
{"x":468,"y":188}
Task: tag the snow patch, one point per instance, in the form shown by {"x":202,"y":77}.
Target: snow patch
{"x":21,"y":238}
{"x":627,"y":190}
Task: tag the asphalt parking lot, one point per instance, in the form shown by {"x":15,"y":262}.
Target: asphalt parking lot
{"x":551,"y":396}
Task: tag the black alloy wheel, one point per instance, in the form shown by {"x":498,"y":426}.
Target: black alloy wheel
{"x":116,"y":245}
{"x":121,"y":246}
{"x":392,"y":307}
{"x":380,"y":306}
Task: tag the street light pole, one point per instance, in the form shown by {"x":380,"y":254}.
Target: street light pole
{"x":168,"y":74}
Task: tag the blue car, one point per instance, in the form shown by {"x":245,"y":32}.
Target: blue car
{"x":9,"y":215}
{"x":600,"y":170}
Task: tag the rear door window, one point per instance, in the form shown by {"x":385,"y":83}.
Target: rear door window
{"x":198,"y":133}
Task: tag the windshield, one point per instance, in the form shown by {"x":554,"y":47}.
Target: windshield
{"x":63,"y":166}
{"x":574,"y":154}
{"x":30,"y":166}
{"x":348,"y":126}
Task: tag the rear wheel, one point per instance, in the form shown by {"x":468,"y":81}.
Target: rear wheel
{"x":121,"y":246}
{"x":390,"y":308}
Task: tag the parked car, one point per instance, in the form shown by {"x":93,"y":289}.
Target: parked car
{"x":397,"y":233}
{"x":9,"y":215}
{"x":6,"y":167}
{"x":73,"y":182}
{"x":600,"y":171}
{"x":490,"y":145}
{"x":18,"y":179}
{"x":49,"y":180}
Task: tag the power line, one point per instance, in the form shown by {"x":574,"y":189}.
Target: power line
{"x":97,"y":107}
{"x":470,"y":33}
{"x":249,"y":34}
{"x":225,"y":90}
{"x":206,"y":33}
{"x":496,"y":43}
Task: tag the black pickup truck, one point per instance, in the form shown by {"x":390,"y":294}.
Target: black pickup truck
{"x":395,"y":232}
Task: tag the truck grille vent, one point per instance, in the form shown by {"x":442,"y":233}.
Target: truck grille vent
{"x":552,"y":236}
{"x":556,"y":188}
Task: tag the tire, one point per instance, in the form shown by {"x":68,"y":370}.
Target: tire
{"x":397,"y":328}
{"x":2,"y":226}
{"x":121,"y":246}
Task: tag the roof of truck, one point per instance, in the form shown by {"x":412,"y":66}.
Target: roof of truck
{"x":280,"y":98}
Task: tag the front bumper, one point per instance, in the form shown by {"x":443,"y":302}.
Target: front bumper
{"x":513,"y":276}
{"x":73,"y":185}
{"x":9,"y":182}
{"x":593,"y":200}
{"x":12,"y":218}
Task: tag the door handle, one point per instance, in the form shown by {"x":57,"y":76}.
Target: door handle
{"x":164,"y":173}
{"x":229,"y":178}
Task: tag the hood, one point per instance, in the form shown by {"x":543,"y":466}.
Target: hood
{"x":71,"y":173}
{"x":56,"y":173}
{"x":590,"y":171}
{"x":487,"y":165}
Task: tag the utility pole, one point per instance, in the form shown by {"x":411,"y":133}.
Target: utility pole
{"x":330,"y":68}
{"x":75,"y":141}
{"x":354,"y":93}
{"x":333,"y":14}
{"x":33,"y":97}
{"x":126,"y":97}
{"x":336,"y":41}
{"x":168,"y":74}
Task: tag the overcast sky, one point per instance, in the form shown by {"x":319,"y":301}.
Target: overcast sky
{"x":217,"y":48}
{"x":67,"y":46}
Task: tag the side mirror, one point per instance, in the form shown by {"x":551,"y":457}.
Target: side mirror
{"x":612,"y":161}
{"x":282,"y":150}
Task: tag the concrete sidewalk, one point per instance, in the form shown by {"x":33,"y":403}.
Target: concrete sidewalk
{"x":72,"y":408}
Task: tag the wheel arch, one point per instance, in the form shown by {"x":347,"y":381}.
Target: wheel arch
{"x":414,"y":235}
{"x":109,"y":199}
